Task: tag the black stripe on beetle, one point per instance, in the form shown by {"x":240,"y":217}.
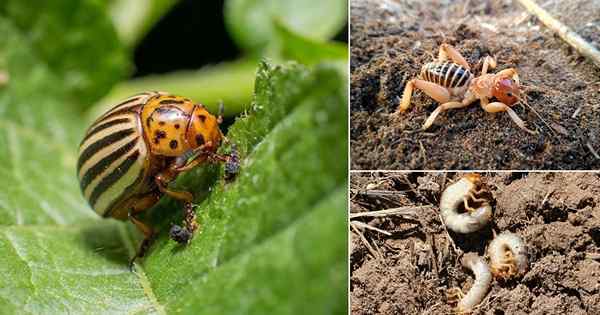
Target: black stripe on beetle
{"x":98,"y":145}
{"x":103,"y":126}
{"x":121,"y":108}
{"x":104,"y":164}
{"x":113,"y":177}
{"x":171,"y":101}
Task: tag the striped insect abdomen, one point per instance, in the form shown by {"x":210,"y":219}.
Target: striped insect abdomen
{"x":113,"y":156}
{"x":446,"y":74}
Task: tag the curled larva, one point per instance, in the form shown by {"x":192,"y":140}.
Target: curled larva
{"x":479,"y":289}
{"x":460,"y":193}
{"x":508,"y":255}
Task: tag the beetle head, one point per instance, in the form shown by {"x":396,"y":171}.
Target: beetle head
{"x":204,"y":128}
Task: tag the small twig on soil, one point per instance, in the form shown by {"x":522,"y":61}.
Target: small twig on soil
{"x":448,"y":234}
{"x":431,"y":242}
{"x":577,"y":111}
{"x":572,"y":38}
{"x":408,"y":211}
{"x":546,"y":198}
{"x":364,"y":240}
{"x":591,"y":148}
{"x":366,"y":226}
{"x":423,"y":152}
{"x":381,"y":192}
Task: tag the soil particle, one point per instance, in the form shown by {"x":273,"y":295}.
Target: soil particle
{"x":557,"y":215}
{"x":391,"y":40}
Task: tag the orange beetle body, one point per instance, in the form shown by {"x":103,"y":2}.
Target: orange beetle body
{"x":132,"y":152}
{"x":174,"y":125}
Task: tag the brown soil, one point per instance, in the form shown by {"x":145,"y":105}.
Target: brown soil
{"x":391,"y":40}
{"x":557,"y":214}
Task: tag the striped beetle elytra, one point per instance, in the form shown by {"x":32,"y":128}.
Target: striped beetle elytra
{"x":132,"y":152}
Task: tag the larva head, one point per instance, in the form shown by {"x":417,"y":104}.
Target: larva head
{"x":204,"y":129}
{"x":506,"y":87}
{"x":474,"y":178}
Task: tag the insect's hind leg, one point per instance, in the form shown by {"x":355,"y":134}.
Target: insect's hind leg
{"x":448,"y":51}
{"x":435,"y":91}
{"x":406,"y":96}
{"x":142,"y":204}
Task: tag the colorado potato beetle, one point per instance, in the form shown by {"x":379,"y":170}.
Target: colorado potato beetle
{"x":132,"y":152}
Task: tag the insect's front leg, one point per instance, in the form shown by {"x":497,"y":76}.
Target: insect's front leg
{"x":448,"y":51}
{"x":488,"y":63}
{"x":163,"y":179}
{"x":496,"y":107}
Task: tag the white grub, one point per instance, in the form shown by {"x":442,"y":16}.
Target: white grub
{"x":460,"y":193}
{"x":508,"y":255}
{"x":480,"y":287}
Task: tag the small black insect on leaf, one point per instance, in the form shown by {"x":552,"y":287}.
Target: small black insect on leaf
{"x":180,"y":234}
{"x":232,"y":166}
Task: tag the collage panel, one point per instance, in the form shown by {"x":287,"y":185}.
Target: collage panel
{"x":479,"y":243}
{"x":474,"y":85}
{"x":173,"y":157}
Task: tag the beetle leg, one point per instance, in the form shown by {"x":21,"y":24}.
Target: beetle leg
{"x":184,"y":196}
{"x":448,"y":51}
{"x":496,"y":107}
{"x":488,"y":63}
{"x":182,"y":162}
{"x":446,"y":106}
{"x":148,"y":238}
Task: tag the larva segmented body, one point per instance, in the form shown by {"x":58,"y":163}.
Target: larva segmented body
{"x":483,"y":279}
{"x":508,"y":255}
{"x":113,"y":156}
{"x":446,"y":74}
{"x":460,"y":193}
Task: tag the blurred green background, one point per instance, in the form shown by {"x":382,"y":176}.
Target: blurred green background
{"x":273,"y":241}
{"x":208,"y":50}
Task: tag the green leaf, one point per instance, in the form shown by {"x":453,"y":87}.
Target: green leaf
{"x":270,"y":241}
{"x":290,"y":178}
{"x":134,"y":18}
{"x":38,"y":139}
{"x":251,"y":22}
{"x":231,"y":83}
{"x":75,"y":39}
{"x":292,"y":46}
